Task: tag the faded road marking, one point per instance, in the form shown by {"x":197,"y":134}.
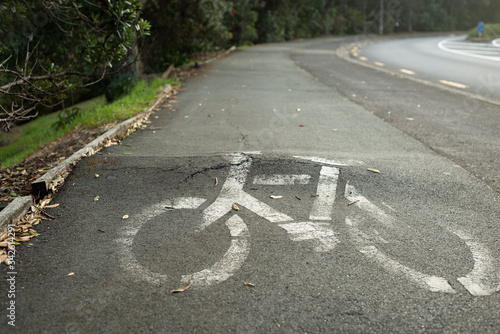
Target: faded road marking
{"x":484,"y":279}
{"x":230,"y":262}
{"x":327,"y":187}
{"x":232,"y":192}
{"x":330,"y":162}
{"x":321,"y":233}
{"x":407,"y":71}
{"x":431,"y":283}
{"x":281,"y":180}
{"x":362,"y":202}
{"x":453,"y":84}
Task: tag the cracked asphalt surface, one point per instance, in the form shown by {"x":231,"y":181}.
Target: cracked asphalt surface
{"x":421,"y":213}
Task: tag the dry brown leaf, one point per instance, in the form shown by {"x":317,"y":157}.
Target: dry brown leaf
{"x":182,"y":288}
{"x":125,"y":217}
{"x":248,"y":284}
{"x":373,"y":170}
{"x":51,"y":206}
{"x":71,"y":274}
{"x":21,"y":239}
{"x":235,"y":207}
{"x":3,"y":257}
{"x":4,"y":244}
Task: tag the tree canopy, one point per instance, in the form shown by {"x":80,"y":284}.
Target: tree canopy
{"x":50,"y":48}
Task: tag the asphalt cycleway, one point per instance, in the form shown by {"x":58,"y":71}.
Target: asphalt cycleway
{"x":279,"y":204}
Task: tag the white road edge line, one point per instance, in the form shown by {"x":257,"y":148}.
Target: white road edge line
{"x":453,"y":84}
{"x":405,"y":71}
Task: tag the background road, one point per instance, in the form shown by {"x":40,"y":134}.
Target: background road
{"x":449,"y":60}
{"x":413,"y":248}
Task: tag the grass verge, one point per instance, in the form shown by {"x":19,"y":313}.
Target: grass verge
{"x":491,"y":31}
{"x":30,"y":137}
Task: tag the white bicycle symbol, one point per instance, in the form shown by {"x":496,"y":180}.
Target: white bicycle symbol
{"x":482,"y":280}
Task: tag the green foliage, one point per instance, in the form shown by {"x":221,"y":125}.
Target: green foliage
{"x":94,"y":113}
{"x":66,"y":117}
{"x":49,"y":48}
{"x":490,"y":31}
{"x":122,"y":84}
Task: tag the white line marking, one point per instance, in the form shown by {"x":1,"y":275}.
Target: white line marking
{"x":230,"y":262}
{"x":327,"y":187}
{"x":468,"y":54}
{"x":407,"y":71}
{"x":184,"y":203}
{"x":431,"y":283}
{"x":453,"y":84}
{"x":232,"y":192}
{"x":321,"y":233}
{"x":352,"y":195}
{"x":128,"y":232}
{"x":484,"y":278}
{"x":330,"y":162}
{"x":281,"y":180}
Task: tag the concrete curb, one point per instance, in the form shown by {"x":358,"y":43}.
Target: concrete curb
{"x":14,"y":212}
{"x":20,"y":206}
{"x":343,"y":52}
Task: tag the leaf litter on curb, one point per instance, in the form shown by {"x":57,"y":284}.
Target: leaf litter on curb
{"x":23,"y":230}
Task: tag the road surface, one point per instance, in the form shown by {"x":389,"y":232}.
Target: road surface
{"x":281,"y":202}
{"x":448,"y":60}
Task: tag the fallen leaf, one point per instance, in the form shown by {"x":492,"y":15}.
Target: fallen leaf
{"x":125,"y":217}
{"x":33,"y":233}
{"x":373,"y":170}
{"x":96,"y":175}
{"x":297,"y":197}
{"x":22,"y":239}
{"x":210,"y":115}
{"x":275,"y":197}
{"x":71,"y":274}
{"x":248,"y":284}
{"x":101,"y":230}
{"x":51,"y":206}
{"x":301,"y":125}
{"x":353,"y":202}
{"x":182,"y":288}
{"x":235,"y":207}
{"x":96,"y":198}
{"x":4,"y":244}
{"x":216,"y":182}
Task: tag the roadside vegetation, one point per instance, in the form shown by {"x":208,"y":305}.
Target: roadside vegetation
{"x":70,"y":67}
{"x":491,"y":31}
{"x":25,"y":139}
